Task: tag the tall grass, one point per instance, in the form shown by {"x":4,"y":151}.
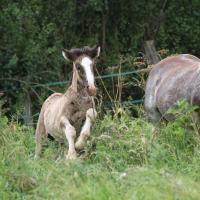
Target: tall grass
{"x":125,"y":158}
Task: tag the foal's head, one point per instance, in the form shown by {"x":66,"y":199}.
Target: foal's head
{"x":83,"y":60}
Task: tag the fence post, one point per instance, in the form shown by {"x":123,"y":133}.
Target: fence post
{"x":27,"y":112}
{"x":150,"y":52}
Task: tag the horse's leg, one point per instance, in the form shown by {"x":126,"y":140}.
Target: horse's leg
{"x":151,"y":108}
{"x":153,"y":113}
{"x":70,"y":134}
{"x":85,"y":131}
{"x":39,"y":135}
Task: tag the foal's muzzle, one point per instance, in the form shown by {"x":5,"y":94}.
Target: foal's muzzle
{"x":92,"y":90}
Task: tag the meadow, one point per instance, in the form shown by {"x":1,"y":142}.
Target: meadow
{"x":126,"y":158}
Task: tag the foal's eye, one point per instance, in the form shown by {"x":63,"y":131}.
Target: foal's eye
{"x":78,"y":67}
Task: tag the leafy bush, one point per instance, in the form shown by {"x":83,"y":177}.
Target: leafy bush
{"x":33,"y":33}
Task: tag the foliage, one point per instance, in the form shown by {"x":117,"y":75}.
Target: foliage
{"x":125,"y":158}
{"x":33,"y":34}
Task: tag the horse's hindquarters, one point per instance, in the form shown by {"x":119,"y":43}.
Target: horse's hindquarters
{"x":172,"y":79}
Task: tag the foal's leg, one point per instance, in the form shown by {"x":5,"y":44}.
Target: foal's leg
{"x":70,"y":134}
{"x":85,"y":131}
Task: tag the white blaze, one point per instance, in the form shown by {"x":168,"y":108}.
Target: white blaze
{"x":86,"y":63}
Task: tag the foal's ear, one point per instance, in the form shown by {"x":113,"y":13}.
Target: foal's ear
{"x":94,"y":52}
{"x":68,"y":55}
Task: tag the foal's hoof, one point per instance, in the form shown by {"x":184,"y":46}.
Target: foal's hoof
{"x":79,"y":145}
{"x":91,"y":113}
{"x":71,"y":156}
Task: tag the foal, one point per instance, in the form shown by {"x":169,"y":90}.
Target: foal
{"x":62,"y":115}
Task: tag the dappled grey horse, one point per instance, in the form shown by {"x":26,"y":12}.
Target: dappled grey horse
{"x":174,"y":78}
{"x":62,"y":115}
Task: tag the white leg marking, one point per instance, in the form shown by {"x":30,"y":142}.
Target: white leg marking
{"x":86,"y":63}
{"x":85,"y":131}
{"x":70,"y":134}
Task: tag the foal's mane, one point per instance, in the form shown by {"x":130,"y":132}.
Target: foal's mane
{"x":91,"y":52}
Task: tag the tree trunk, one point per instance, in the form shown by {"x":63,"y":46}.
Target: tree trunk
{"x":150,"y":52}
{"x":104,"y":32}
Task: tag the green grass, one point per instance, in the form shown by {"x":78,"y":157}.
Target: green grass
{"x":125,"y":158}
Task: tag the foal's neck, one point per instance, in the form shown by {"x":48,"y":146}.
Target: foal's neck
{"x":76,"y":84}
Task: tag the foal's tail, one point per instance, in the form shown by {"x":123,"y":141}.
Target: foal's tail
{"x":39,"y":134}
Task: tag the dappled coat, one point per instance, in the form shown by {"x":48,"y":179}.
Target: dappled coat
{"x":174,"y":78}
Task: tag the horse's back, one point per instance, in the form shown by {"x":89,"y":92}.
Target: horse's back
{"x":174,"y":62}
{"x":53,"y":97}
